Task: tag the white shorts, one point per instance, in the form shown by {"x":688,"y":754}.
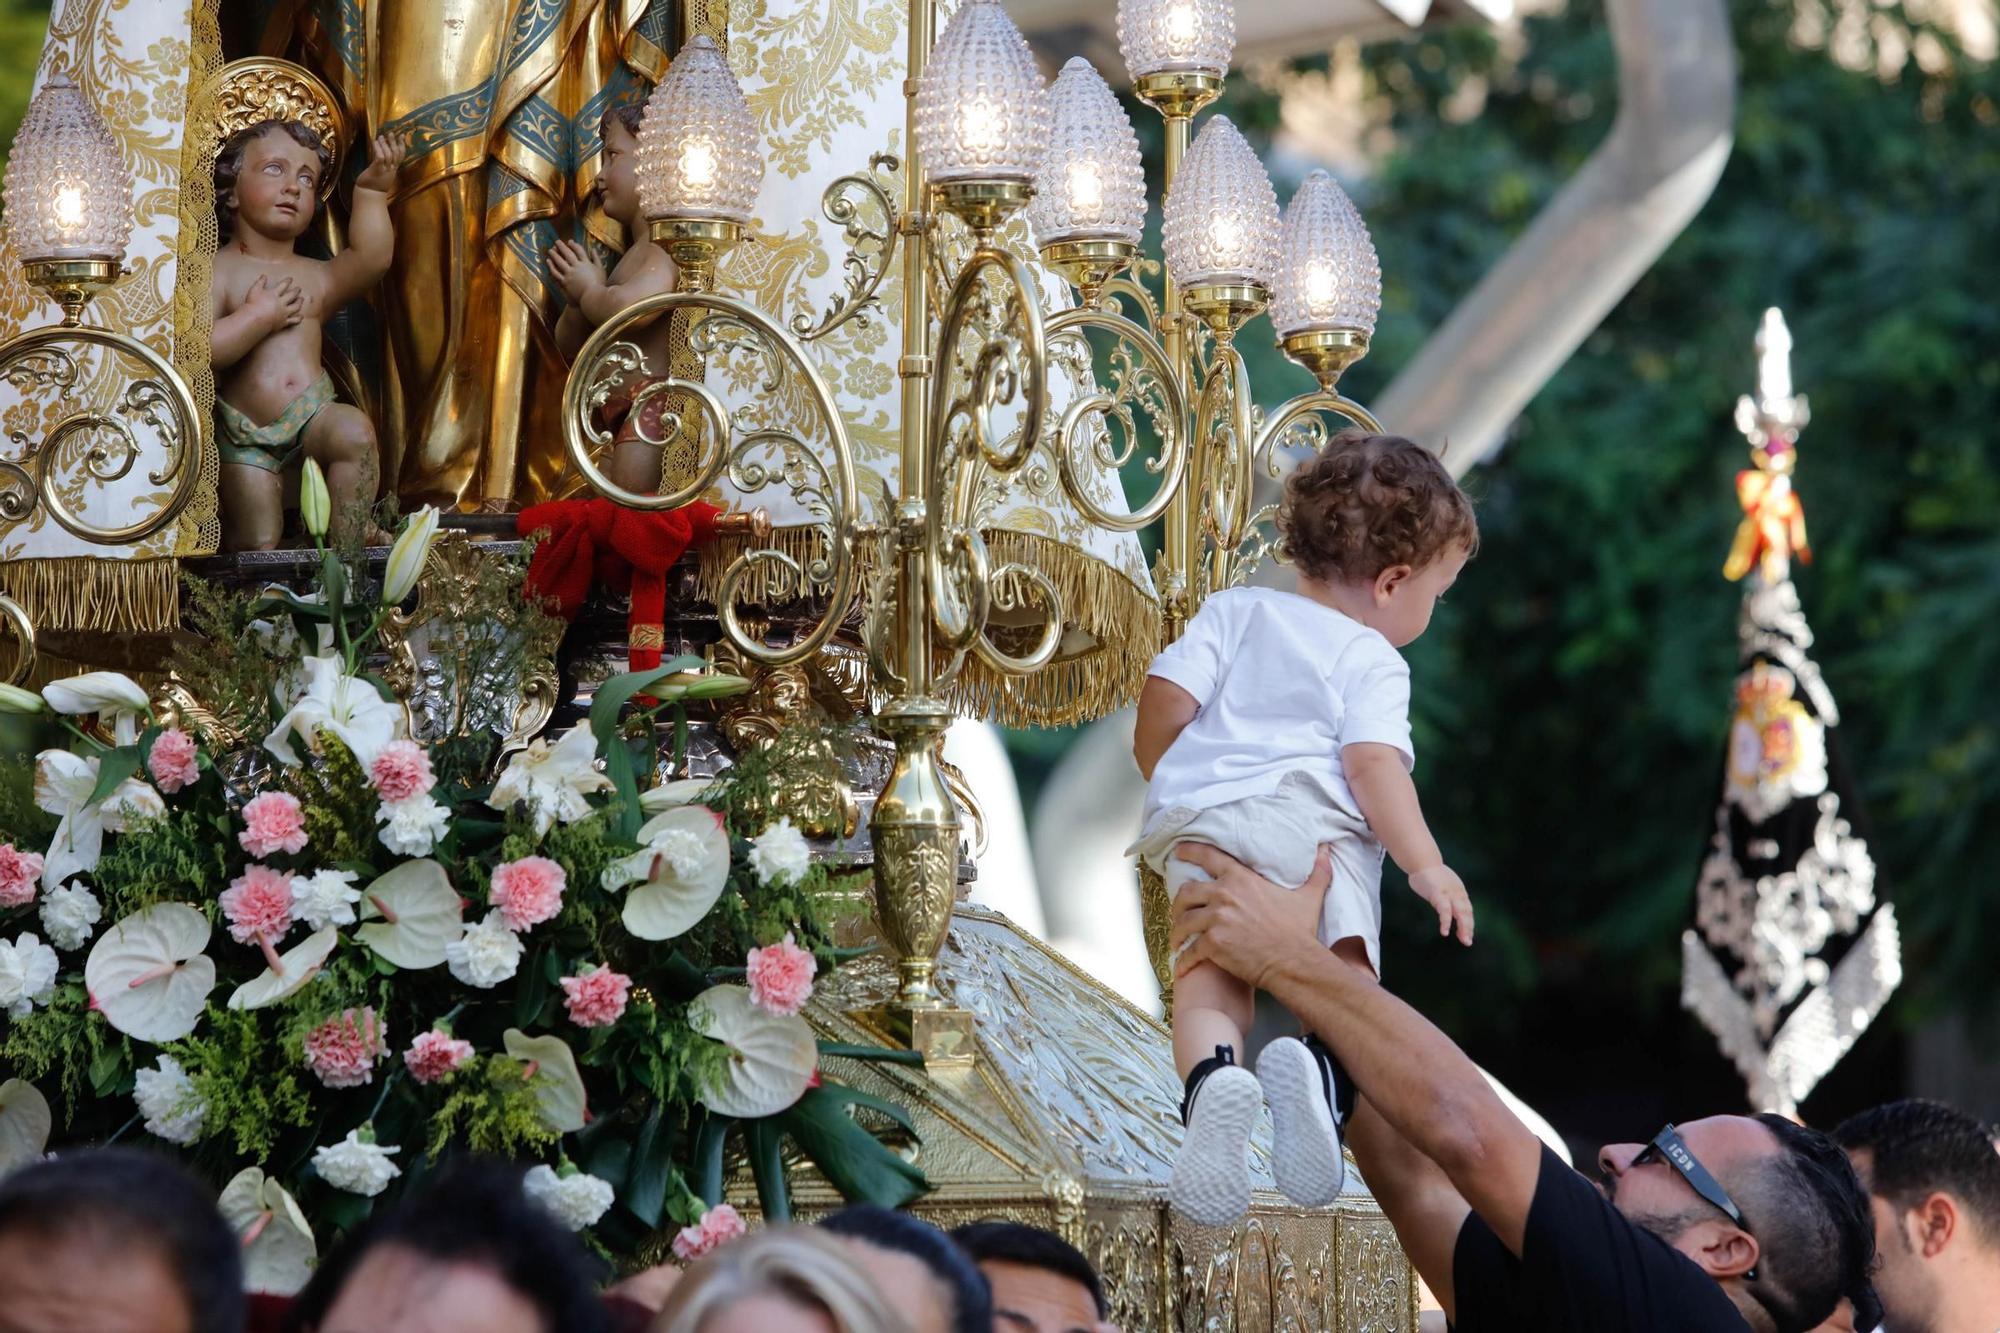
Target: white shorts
{"x":1279,"y":836}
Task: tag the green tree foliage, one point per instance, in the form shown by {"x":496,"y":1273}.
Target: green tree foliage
{"x":23,"y":24}
{"x":1573,"y":695}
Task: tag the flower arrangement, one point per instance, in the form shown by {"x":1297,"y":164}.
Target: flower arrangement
{"x":317,"y":972}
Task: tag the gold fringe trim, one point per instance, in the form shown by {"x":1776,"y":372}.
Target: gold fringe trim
{"x":90,"y":592}
{"x":1120,"y":620}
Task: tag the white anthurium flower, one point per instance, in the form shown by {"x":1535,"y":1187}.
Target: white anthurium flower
{"x":341,"y":705}
{"x":63,"y":783}
{"x":771,"y":1056}
{"x":406,"y":557}
{"x":25,"y":1123}
{"x":296,"y":966}
{"x":684,"y":860}
{"x":276,"y":1240}
{"x":148,"y":973}
{"x":411,"y":915}
{"x":553,"y":1074}
{"x":111,"y":693}
{"x":685,"y":791}
{"x":552,"y":780}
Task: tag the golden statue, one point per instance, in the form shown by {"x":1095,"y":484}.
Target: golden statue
{"x":501,"y":100}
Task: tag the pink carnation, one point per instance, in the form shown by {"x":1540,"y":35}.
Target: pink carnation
{"x":171,"y":760}
{"x":401,"y":770}
{"x":19,"y":871}
{"x":596,"y":999}
{"x":435,"y":1056}
{"x":781,"y":976}
{"x":343,"y":1051}
{"x":258,"y":903}
{"x":273,"y":822}
{"x":527,"y":891}
{"x":718,"y":1226}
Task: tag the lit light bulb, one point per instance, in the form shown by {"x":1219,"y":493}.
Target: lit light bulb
{"x":1322,"y":287}
{"x":69,"y":208}
{"x":979,"y":127}
{"x":982,"y":109}
{"x":1180,"y":28}
{"x":1226,"y":235}
{"x":698,"y":164}
{"x":1086,"y":191}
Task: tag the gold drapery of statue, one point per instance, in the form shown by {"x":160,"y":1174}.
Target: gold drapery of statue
{"x":502,"y":100}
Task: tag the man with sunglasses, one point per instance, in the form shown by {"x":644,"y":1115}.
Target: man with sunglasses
{"x":1715,"y":1226}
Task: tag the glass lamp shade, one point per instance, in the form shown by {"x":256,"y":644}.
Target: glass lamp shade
{"x":982,"y":111}
{"x":699,"y":155}
{"x":1221,"y":217}
{"x":1091,"y":183}
{"x":1198,"y":36}
{"x":1330,"y":277}
{"x":68,"y":191}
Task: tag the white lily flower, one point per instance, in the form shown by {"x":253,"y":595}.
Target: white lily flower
{"x":552,"y":779}
{"x":341,"y":705}
{"x":406,"y":557}
{"x":63,"y":783}
{"x":114,"y":694}
{"x":315,"y":503}
{"x":14,"y":699}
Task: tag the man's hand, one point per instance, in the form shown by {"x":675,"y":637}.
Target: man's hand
{"x":1441,"y":887}
{"x":1242,"y":922}
{"x":574,"y":270}
{"x":385,"y":156}
{"x":275,"y":305}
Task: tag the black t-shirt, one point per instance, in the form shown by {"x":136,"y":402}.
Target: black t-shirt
{"x":1583,"y":1269}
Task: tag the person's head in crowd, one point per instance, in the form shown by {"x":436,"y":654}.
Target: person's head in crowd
{"x":468,"y":1252}
{"x":784,"y":1280}
{"x":115,"y":1240}
{"x":1804,"y":1239}
{"x":1933,"y":1181}
{"x":1041,"y":1283}
{"x":924,"y":1274}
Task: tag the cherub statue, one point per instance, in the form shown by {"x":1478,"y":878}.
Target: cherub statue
{"x":274,"y":401}
{"x":643,"y":270}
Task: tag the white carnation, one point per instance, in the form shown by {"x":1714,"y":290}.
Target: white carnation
{"x":68,"y":913}
{"x":174,"y":1111}
{"x":780,"y":853}
{"x":486,"y":954}
{"x":325,"y":898}
{"x":27,"y":974}
{"x":358,"y":1167}
{"x":412,"y":826}
{"x":576,"y":1200}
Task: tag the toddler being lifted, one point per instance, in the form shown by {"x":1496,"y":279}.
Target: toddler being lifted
{"x":1277,"y":725}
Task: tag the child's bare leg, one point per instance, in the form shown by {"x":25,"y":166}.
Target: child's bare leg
{"x":253,"y":507}
{"x":1211,"y":1009}
{"x":341,"y":440}
{"x":635,"y":465}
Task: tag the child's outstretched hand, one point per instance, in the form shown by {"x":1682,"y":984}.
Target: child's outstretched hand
{"x":1441,"y":887}
{"x":385,"y":155}
{"x":574,"y":270}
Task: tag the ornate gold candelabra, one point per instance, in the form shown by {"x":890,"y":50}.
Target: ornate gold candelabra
{"x":1163,"y":387}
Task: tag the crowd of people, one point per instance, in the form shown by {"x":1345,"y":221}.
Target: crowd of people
{"x":119,"y":1240}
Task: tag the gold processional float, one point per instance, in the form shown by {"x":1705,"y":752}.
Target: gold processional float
{"x":947,"y":534}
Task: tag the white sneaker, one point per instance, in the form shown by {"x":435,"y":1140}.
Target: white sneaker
{"x":1211,"y":1182}
{"x":1305,"y":1143}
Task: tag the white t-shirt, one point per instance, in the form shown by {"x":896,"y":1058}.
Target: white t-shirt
{"x":1282,"y":683}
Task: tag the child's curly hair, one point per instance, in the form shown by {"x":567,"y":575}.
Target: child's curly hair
{"x":1369,"y":502}
{"x":229,"y":162}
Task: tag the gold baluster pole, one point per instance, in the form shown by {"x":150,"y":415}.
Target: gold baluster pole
{"x":915,"y":827}
{"x":1177,"y":96}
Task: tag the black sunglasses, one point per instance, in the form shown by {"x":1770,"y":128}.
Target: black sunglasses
{"x":1667,"y":1146}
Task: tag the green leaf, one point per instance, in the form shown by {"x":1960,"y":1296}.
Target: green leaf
{"x":652,"y":1170}
{"x":708,"y":1158}
{"x":888,"y":1055}
{"x":113,"y":767}
{"x":610,"y":698}
{"x":610,"y":1161}
{"x":851,"y":1096}
{"x":765,"y":1142}
{"x":853,"y":1161}
{"x":333,"y":582}
{"x":107,"y":1067}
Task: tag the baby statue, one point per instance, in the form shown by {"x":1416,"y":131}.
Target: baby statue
{"x":274,"y":402}
{"x":644,"y":270}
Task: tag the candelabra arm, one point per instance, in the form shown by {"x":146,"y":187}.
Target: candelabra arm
{"x":1152,"y":385}
{"x":15,"y":615}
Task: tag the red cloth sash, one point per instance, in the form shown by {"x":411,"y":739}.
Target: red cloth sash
{"x":596,"y":542}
